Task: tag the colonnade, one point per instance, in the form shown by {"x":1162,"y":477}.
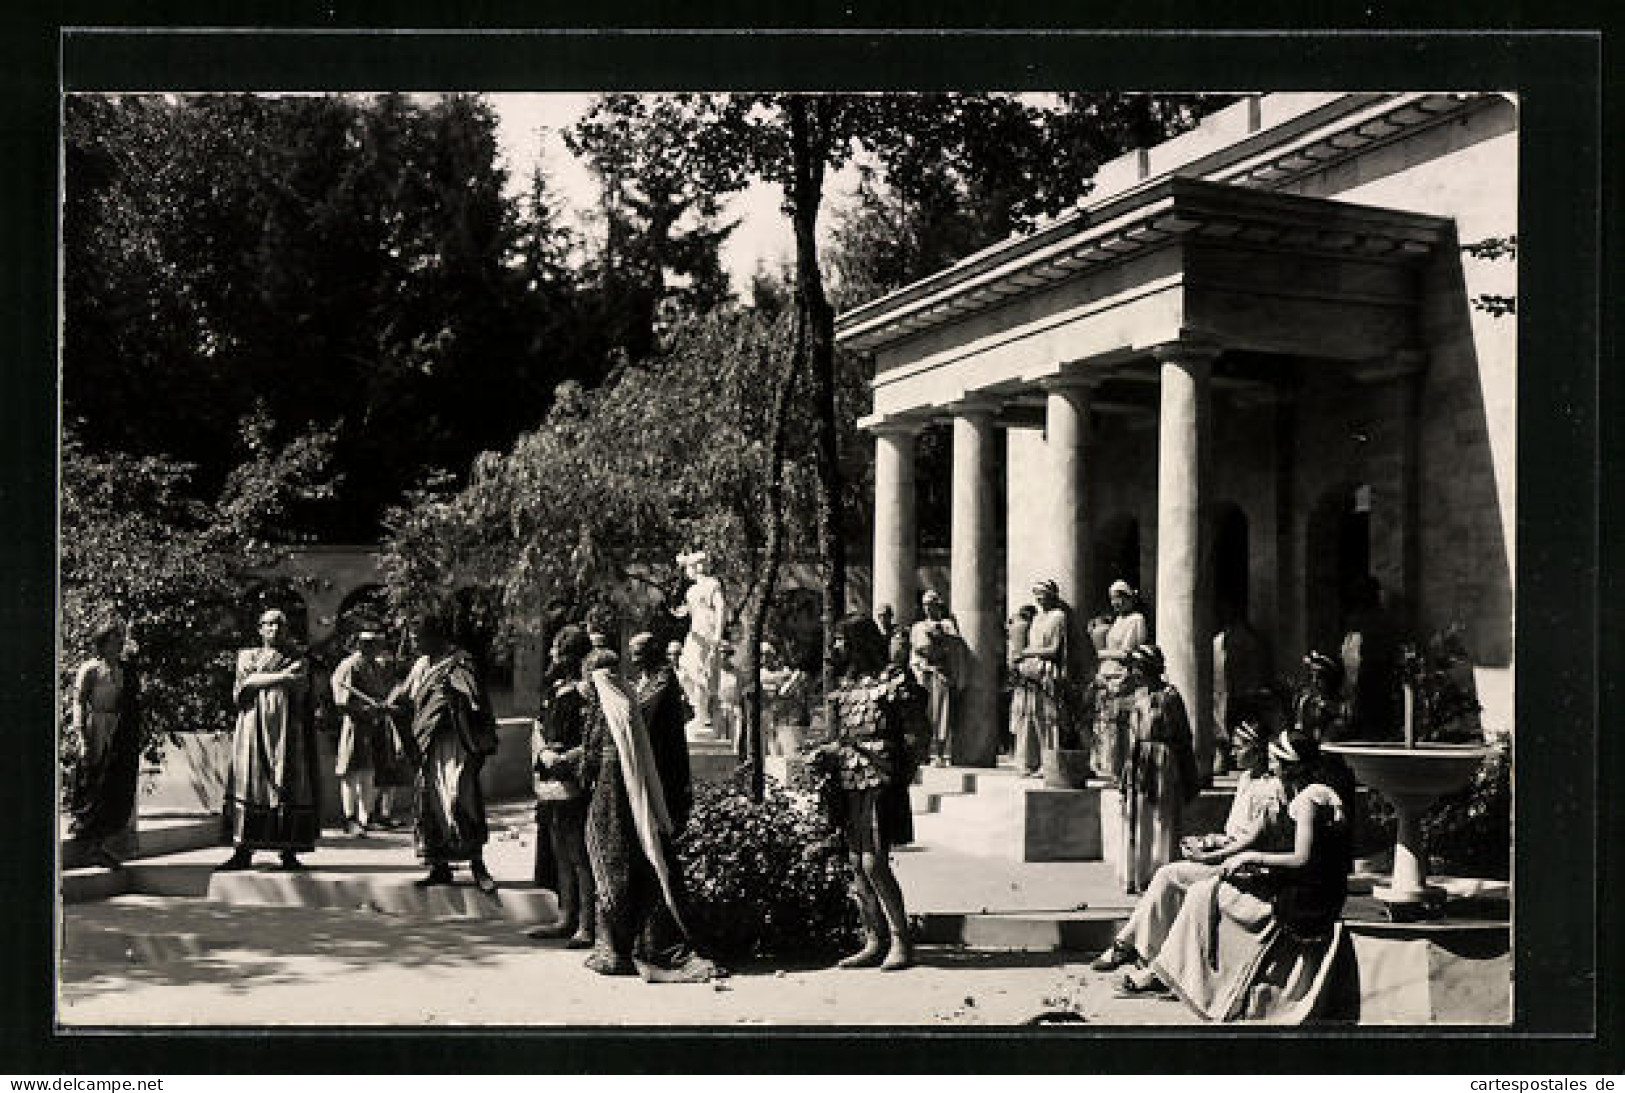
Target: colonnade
{"x":1183,"y":629}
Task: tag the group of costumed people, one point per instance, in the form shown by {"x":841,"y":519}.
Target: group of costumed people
{"x":1248,"y":925}
{"x":613,"y":793}
{"x":438,"y":723}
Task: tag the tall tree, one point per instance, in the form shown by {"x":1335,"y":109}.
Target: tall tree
{"x":663,"y":174}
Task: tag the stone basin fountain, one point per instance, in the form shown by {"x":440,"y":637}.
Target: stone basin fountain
{"x":1412,"y":775}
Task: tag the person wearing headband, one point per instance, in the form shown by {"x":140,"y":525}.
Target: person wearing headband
{"x":272,"y":795}
{"x":1260,"y":941}
{"x":1257,"y":819}
{"x":937,"y":657}
{"x":1158,"y":775}
{"x":1046,"y":669}
{"x":1317,"y":709}
{"x":1128,"y":629}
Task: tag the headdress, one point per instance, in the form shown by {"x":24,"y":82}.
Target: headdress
{"x":1044,"y":584}
{"x":1120,"y":586}
{"x":931,"y":596}
{"x":1294,"y":747}
{"x":275,"y":614}
{"x":691,"y":556}
{"x":1247,"y":732}
{"x":1148,"y":657}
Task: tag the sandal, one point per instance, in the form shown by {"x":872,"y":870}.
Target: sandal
{"x":1115,"y":957}
{"x":1127,"y":987}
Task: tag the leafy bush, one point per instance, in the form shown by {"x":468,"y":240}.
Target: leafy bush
{"x":765,"y":879}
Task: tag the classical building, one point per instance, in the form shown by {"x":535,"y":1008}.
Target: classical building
{"x":1254,"y":375}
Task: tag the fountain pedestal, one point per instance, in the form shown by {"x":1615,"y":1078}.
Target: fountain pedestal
{"x":1412,"y":779}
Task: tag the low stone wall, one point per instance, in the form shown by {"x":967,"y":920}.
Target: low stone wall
{"x":191,"y":775}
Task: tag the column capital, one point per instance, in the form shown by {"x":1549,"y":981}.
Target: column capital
{"x":891,"y":426}
{"x":1069,"y":381}
{"x":1188,"y":349}
{"x":972,"y":406}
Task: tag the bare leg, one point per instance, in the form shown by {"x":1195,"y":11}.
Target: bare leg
{"x":874,"y":922}
{"x":890,"y":897}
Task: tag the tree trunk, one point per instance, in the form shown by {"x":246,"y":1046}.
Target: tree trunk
{"x":809,"y":149}
{"x":761,"y":597}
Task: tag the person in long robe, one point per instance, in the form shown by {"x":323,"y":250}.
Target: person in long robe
{"x":561,"y":803}
{"x":1025,"y":729}
{"x":870,"y":762}
{"x":1159,"y":772}
{"x":937,"y":653}
{"x":1257,"y":820}
{"x":105,"y":721}
{"x":360,"y":684}
{"x":641,"y":929}
{"x":1261,"y":942}
{"x":1045,"y":666}
{"x":272,"y":790}
{"x":1127,"y":632}
{"x":453,"y":733}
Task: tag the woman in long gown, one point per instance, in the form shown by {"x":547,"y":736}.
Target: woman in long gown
{"x":1260,"y":941}
{"x":1159,"y":771}
{"x":101,"y":793}
{"x":272,"y":795}
{"x":453,"y":732}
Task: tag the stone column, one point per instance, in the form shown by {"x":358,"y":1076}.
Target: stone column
{"x":1184,"y":578}
{"x":972,"y":583}
{"x":895,"y":534}
{"x":1067,"y":440}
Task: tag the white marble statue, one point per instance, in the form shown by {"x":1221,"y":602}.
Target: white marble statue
{"x":699,"y":665}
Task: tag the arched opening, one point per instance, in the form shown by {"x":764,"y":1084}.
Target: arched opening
{"x":1337,"y":563}
{"x":1231,"y":589}
{"x":279,"y":593}
{"x":1117,"y":558}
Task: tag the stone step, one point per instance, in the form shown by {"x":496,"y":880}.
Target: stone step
{"x":392,"y":893}
{"x":1081,"y":932}
{"x":87,"y":883}
{"x":119,"y":945}
{"x":154,"y":837}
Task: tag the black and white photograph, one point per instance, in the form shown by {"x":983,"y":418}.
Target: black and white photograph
{"x":613,"y":553}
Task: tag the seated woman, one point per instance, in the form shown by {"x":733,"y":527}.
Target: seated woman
{"x":1257,"y":820}
{"x":1258,"y":942}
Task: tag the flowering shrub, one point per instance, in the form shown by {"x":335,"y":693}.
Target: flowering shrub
{"x":765,"y":879}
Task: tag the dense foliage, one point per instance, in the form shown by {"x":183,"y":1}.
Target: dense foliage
{"x":766,"y":879}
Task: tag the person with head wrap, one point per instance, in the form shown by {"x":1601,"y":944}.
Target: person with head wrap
{"x":937,"y":657}
{"x":1257,"y":819}
{"x":1159,"y":771}
{"x":360,"y":684}
{"x":869,"y":764}
{"x":630,"y":828}
{"x":1127,"y":632}
{"x":561,"y":806}
{"x":454,"y":731}
{"x":101,"y":792}
{"x":1260,"y":941}
{"x":1318,"y":710}
{"x":1044,"y":666}
{"x":271,"y":790}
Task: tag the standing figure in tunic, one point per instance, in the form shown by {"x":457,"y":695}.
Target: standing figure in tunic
{"x":271,"y":792}
{"x":101,"y":794}
{"x":1159,"y":772}
{"x":561,"y":804}
{"x":454,"y":731}
{"x":699,"y":666}
{"x":870,"y":763}
{"x":1045,"y":667}
{"x":937,"y":653}
{"x":1127,"y":632}
{"x":360,"y":684}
